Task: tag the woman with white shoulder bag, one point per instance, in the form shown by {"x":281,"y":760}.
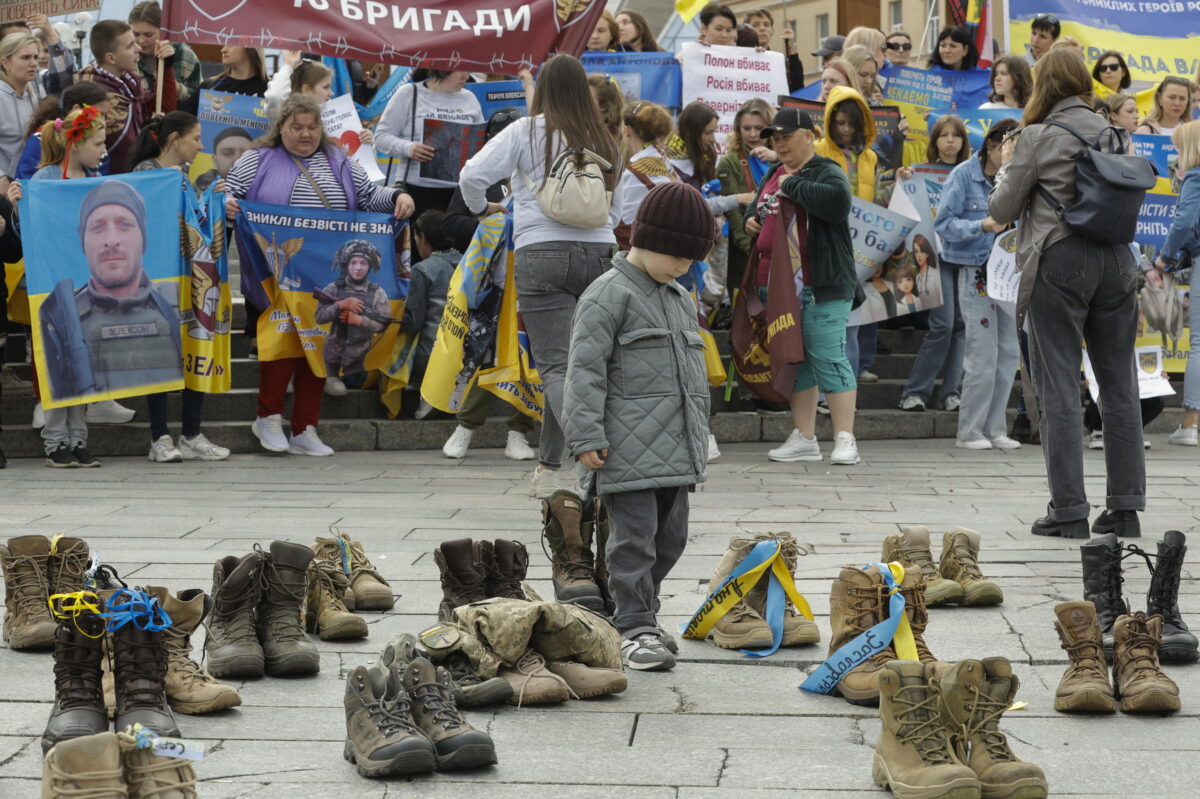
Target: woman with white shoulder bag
{"x":564,"y":166}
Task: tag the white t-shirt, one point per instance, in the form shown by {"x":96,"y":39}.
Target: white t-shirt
{"x":397,"y":131}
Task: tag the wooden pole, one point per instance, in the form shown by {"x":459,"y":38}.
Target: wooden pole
{"x":158,"y":88}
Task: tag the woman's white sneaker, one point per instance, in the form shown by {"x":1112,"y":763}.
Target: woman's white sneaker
{"x":517,"y":448}
{"x":714,"y":452}
{"x":308,"y":443}
{"x":201,"y":449}
{"x":796,"y":448}
{"x":163,"y":451}
{"x":975,"y":443}
{"x":1004,"y":442}
{"x":458,"y":443}
{"x":1184,"y":437}
{"x":269,"y":432}
{"x":845,"y":450}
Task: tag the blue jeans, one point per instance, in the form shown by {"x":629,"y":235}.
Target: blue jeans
{"x":942,"y":349}
{"x":990,"y":363}
{"x":1191,"y":378}
{"x":862,"y":341}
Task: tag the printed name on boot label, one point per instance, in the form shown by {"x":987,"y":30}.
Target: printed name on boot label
{"x":179,"y":749}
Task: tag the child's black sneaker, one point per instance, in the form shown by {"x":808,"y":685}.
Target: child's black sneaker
{"x":83,"y":458}
{"x":61,"y":458}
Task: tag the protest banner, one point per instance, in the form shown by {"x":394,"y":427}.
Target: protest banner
{"x":934,"y":178}
{"x":472,"y":35}
{"x":876,"y":234}
{"x":496,"y":95}
{"x":937,"y":88}
{"x":1149,"y":362}
{"x":205,"y":304}
{"x":228,"y":123}
{"x":1157,"y":39}
{"x":653,"y":77}
{"x":343,"y":126}
{"x":978,"y":121}
{"x":1163,"y":153}
{"x":104,"y":299}
{"x":889,"y":141}
{"x":1154,"y":220}
{"x":1175,"y":350}
{"x":1003,"y":277}
{"x":453,"y":145}
{"x":22,"y":10}
{"x":310,"y":261}
{"x":726,"y":77}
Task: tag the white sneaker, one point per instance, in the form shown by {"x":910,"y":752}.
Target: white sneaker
{"x":1183,"y":437}
{"x":334,"y":387}
{"x":952,"y":403}
{"x":867,"y":377}
{"x":13,"y":385}
{"x":845,"y":450}
{"x":714,"y":452}
{"x":822,"y":408}
{"x":201,"y":449}
{"x":978,"y":443}
{"x":308,"y":443}
{"x":543,"y":482}
{"x":458,"y":443}
{"x":269,"y":432}
{"x":39,"y":417}
{"x":1004,"y":442}
{"x":163,"y":451}
{"x":912,"y":403}
{"x":107,"y":412}
{"x":517,"y":448}
{"x":1096,"y":440}
{"x":796,"y":448}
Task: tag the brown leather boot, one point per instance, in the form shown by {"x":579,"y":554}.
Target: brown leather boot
{"x":1084,"y":687}
{"x":858,"y":600}
{"x":69,"y":559}
{"x":743,"y":626}
{"x":797,"y":630}
{"x":190,"y":689}
{"x":325,"y":611}
{"x":463,"y":574}
{"x":573,"y":564}
{"x":287,"y":650}
{"x":368,"y":589}
{"x":457,"y":743}
{"x":507,"y":563}
{"x":231,"y":647}
{"x":1141,"y":685}
{"x":913,"y":590}
{"x":27,"y":620}
{"x":86,"y":766}
{"x":911,"y":550}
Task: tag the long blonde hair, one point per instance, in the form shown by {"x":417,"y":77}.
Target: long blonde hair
{"x":54,"y":138}
{"x":1187,"y":141}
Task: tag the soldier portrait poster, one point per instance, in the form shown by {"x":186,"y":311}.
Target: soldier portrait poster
{"x":228,"y":123}
{"x":104,"y":267}
{"x":334,"y":281}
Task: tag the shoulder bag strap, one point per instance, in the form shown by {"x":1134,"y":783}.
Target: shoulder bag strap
{"x":311,"y":182}
{"x":412,"y":136}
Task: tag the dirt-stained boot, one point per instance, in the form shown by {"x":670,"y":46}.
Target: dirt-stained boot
{"x":507,"y":563}
{"x":463,"y":574}
{"x":69,"y":560}
{"x":912,"y":587}
{"x":368,"y":589}
{"x":325,"y":611}
{"x":27,"y":620}
{"x":151,"y":776}
{"x":532,"y":683}
{"x":382,"y":738}
{"x":589,"y":681}
{"x":858,"y":600}
{"x":231,"y":648}
{"x":572,"y":562}
{"x":1101,"y":561}
{"x":911,"y":550}
{"x":287,"y":650}
{"x":913,"y":756}
{"x":190,"y":689}
{"x":974,"y":695}
{"x":456,"y":743}
{"x":1084,"y":687}
{"x":960,"y":563}
{"x":1141,"y":685}
{"x":78,"y":708}
{"x":742,"y":627}
{"x":89,"y":766}
{"x":140,"y":662}
{"x":1178,"y":643}
{"x":797,"y":630}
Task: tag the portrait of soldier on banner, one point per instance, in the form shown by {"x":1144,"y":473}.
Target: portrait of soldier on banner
{"x":105,"y":297}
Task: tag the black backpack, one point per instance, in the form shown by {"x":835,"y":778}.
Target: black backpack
{"x":1110,"y":188}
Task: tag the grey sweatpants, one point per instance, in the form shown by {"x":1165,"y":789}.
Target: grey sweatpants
{"x":65,"y":426}
{"x":647,"y":532}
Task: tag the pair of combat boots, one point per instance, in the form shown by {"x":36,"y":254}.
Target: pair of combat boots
{"x":341,"y":580}
{"x":941,"y":733}
{"x":571,"y":528}
{"x":472,"y":571}
{"x":956,"y":579}
{"x":114,"y":764}
{"x":1102,"y":578}
{"x":35,"y":568}
{"x":1138,"y":683}
{"x":745,"y":625}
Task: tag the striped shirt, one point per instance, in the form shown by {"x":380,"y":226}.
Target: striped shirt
{"x":370,"y":196}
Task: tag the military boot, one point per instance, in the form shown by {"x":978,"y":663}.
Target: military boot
{"x":325,"y":611}
{"x":140,"y":662}
{"x":506,"y":562}
{"x":913,"y":755}
{"x":286,"y":649}
{"x":78,"y":651}
{"x":595,"y":532}
{"x":232,"y":648}
{"x":69,"y":560}
{"x":1102,"y":578}
{"x":913,"y":590}
{"x":190,"y":689}
{"x":1178,"y":643}
{"x":27,"y":620}
{"x":797,"y":630}
{"x":532,"y":683}
{"x":572,"y":563}
{"x":368,"y":589}
{"x":742,"y":627}
{"x":974,"y":695}
{"x":960,"y":563}
{"x":151,"y":776}
{"x":911,"y":550}
{"x":463,"y":574}
{"x":589,"y":681}
{"x":858,"y":600}
{"x":85,"y":767}
{"x":456,"y":743}
{"x":1141,"y":685}
{"x":470,"y":689}
{"x":382,"y":738}
{"x":1084,"y":687}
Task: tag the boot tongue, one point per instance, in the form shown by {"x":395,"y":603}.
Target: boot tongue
{"x":185,"y":614}
{"x":287,"y":554}
{"x":29,"y":545}
{"x":420,"y":672}
{"x":95,"y":753}
{"x":1174,"y":538}
{"x":1077,"y":618}
{"x":910,"y":672}
{"x":1000,"y":678}
{"x":915,"y":535}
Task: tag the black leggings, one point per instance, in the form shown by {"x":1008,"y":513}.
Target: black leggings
{"x":193,"y":408}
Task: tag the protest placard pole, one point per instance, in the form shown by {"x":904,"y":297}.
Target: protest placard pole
{"x":158,"y":86}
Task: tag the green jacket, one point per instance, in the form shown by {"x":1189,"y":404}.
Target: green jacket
{"x":823,"y":191}
{"x":733,"y":181}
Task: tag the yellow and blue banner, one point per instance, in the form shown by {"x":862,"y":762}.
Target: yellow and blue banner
{"x":205,"y":305}
{"x":937,"y":88}
{"x":228,"y":123}
{"x":496,"y":95}
{"x":978,"y":121}
{"x":653,"y":77}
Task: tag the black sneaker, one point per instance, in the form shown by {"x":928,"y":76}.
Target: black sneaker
{"x":61,"y":458}
{"x":83,"y":458}
{"x":1122,"y":522}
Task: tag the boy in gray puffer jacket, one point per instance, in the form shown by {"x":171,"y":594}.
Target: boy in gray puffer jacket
{"x":636,"y":407}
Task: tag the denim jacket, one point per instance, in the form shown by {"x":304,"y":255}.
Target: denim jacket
{"x":963,"y":207}
{"x":1185,"y":231}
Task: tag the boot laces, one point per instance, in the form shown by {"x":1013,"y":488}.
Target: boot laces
{"x":983,"y":719}
{"x":180,"y":778}
{"x":179,"y":658}
{"x":575,"y":570}
{"x":922,"y":558}
{"x":332,"y":584}
{"x":392,"y":716}
{"x":30,"y":585}
{"x":72,"y":565}
{"x":861,"y":605}
{"x":1164,"y":581}
{"x":528,"y":667}
{"x":965,"y":558}
{"x":460,"y":670}
{"x":237,"y":610}
{"x":920,"y":724}
{"x":60,"y":779}
{"x":1087,"y":658}
{"x":1141,"y":653}
{"x":1112,"y":578}
{"x":281,"y":613}
{"x":436,"y":701}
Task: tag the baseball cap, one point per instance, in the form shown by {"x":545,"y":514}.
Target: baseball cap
{"x":788,"y":120}
{"x":830,"y":45}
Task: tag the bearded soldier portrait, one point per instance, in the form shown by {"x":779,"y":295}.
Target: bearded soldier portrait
{"x":356,"y":308}
{"x":119,"y":330}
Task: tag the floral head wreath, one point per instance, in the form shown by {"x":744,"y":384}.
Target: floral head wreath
{"x":77,"y":130}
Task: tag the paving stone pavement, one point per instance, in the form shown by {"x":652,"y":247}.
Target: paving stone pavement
{"x":719,"y":725}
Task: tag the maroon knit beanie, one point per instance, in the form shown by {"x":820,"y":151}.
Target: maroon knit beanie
{"x":674,"y":219}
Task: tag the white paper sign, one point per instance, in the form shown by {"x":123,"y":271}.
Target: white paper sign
{"x":726,"y":77}
{"x":343,"y":126}
{"x":1151,"y":383}
{"x":1003,"y":279}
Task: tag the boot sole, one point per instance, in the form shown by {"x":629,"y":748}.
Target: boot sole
{"x":374,"y":603}
{"x":416,"y":762}
{"x":1178,"y":654}
{"x":862,"y":700}
{"x":295,"y":665}
{"x":1028,"y":788}
{"x":355,"y":627}
{"x":812,"y":636}
{"x":962,"y":788}
{"x":1152,"y":701}
{"x":754,"y":639}
{"x":468,"y":756}
{"x":1088,"y":700}
{"x":1063,"y":531}
{"x":1122,"y":529}
{"x":237,"y":666}
{"x":223,"y":702}
{"x":592,"y":603}
{"x":988,"y":596}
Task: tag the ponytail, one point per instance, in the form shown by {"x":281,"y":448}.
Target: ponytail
{"x":54,"y":144}
{"x":309,"y":73}
{"x":157,"y":133}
